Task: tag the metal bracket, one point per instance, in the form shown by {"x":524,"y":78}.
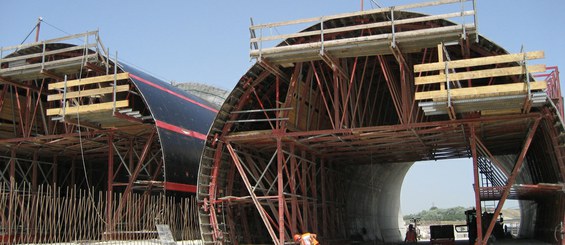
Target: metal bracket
{"x":393,"y":43}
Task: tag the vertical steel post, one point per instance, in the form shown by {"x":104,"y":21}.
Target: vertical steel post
{"x":115,"y":84}
{"x":324,"y":204}
{"x":55,"y":171}
{"x":247,"y":184}
{"x":314,"y":190}
{"x":34,"y":172}
{"x":13,"y":169}
{"x":38,"y":27}
{"x":73,"y":173}
{"x":280,"y":187}
{"x":336,"y":97}
{"x":512,"y":178}
{"x":478,"y":212}
{"x":110,"y":185}
{"x":292,"y":184}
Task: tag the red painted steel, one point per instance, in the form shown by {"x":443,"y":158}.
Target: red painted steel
{"x":172,"y":186}
{"x":511,"y":179}
{"x":180,"y":130}
{"x":476,"y":186}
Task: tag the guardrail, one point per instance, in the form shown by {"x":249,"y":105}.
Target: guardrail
{"x":257,"y":40}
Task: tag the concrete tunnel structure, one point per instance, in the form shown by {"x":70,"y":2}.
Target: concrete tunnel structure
{"x":317,"y":136}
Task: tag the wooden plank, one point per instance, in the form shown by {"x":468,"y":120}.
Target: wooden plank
{"x":440,"y":59}
{"x":500,"y":112}
{"x":89,"y":92}
{"x":87,"y":108}
{"x":489,"y":60}
{"x":496,"y":72}
{"x":89,"y":80}
{"x":483,"y":91}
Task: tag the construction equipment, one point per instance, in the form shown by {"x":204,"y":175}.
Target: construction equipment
{"x":471,"y":219}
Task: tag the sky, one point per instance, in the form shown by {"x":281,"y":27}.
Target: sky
{"x":208,"y":42}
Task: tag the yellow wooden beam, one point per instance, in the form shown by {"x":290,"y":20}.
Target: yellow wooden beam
{"x":500,"y":112}
{"x":489,"y":60}
{"x":89,"y":80}
{"x":497,"y":72}
{"x":483,"y":91}
{"x":88,"y":92}
{"x":87,"y":108}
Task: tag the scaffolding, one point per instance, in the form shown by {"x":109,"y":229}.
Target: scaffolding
{"x":73,"y":124}
{"x":372,"y":92}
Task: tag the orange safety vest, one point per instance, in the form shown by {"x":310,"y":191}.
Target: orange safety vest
{"x":308,"y":239}
{"x":411,"y":236}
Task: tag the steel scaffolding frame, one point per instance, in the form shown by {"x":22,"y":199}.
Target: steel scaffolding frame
{"x":49,"y":149}
{"x":331,"y":108}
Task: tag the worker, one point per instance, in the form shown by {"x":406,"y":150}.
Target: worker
{"x":411,"y":234}
{"x":306,"y":239}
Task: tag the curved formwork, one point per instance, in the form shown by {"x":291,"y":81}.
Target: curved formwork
{"x":318,"y":135}
{"x":72,"y":119}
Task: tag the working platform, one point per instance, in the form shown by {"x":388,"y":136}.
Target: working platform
{"x":364,"y":36}
{"x":468,"y":85}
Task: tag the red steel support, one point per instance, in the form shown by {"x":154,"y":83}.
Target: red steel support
{"x":323,"y":95}
{"x":280,"y":182}
{"x":324,"y":204}
{"x":391,"y":86}
{"x":37,"y":28}
{"x":55,"y":173}
{"x":247,"y":184}
{"x":34,"y":172}
{"x":478,"y":211}
{"x":110,"y":184}
{"x":336,"y":99}
{"x":133,"y":177}
{"x":314,"y":190}
{"x":349,"y":87}
{"x":13,"y":169}
{"x":512,"y":178}
{"x":292,"y":185}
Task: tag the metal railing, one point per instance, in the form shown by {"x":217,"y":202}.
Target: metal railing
{"x":257,"y":41}
{"x":41,"y":60}
{"x":553,"y":87}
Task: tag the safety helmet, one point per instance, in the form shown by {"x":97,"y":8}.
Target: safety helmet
{"x":296,"y":237}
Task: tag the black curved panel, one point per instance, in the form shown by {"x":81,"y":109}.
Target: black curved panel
{"x":183,"y":121}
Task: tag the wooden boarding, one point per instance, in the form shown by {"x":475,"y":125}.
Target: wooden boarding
{"x":473,"y":92}
{"x":500,"y":112}
{"x":90,"y":80}
{"x":497,"y":72}
{"x":87,"y":108}
{"x":489,"y":60}
{"x":89,"y":92}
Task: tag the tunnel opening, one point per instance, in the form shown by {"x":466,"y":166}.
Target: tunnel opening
{"x":318,"y":135}
{"x":441,"y":192}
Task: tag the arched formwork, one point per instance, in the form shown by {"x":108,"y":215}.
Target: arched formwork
{"x":74,"y":120}
{"x":318,"y":135}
